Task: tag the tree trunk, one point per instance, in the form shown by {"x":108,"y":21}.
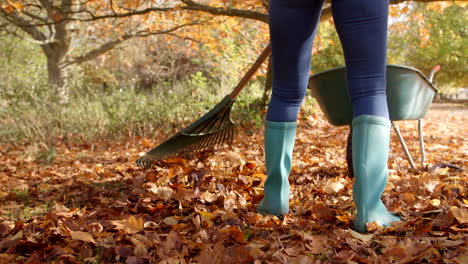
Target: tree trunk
{"x":56,"y":73}
{"x":268,"y":82}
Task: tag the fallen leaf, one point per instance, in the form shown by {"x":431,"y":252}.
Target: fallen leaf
{"x":171,"y":220}
{"x":140,"y":251}
{"x":123,"y":251}
{"x":461,"y":214}
{"x":235,"y":158}
{"x":208,"y":197}
{"x":360,"y":236}
{"x":407,"y":197}
{"x":435,"y":202}
{"x":82,"y":236}
{"x":130,"y":225}
{"x":396,"y":252}
{"x":333,"y":187}
{"x":146,"y":143}
{"x":293,"y":251}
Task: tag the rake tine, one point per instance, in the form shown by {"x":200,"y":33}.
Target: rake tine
{"x":214,"y":126}
{"x":209,"y":140}
{"x":227,"y":133}
{"x":225,"y":116}
{"x":147,"y":162}
{"x":231,"y":134}
{"x":221,"y":136}
{"x":201,"y":128}
{"x":211,"y":122}
{"x":215,"y":140}
{"x":219,"y":124}
{"x":191,"y":147}
{"x":224,"y":135}
{"x":200,"y":143}
{"x":221,"y":121}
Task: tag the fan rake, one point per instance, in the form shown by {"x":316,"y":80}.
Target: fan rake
{"x":210,"y":130}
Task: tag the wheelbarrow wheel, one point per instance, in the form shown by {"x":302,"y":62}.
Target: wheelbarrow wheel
{"x":349,"y":152}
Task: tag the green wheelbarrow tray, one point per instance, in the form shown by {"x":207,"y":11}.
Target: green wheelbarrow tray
{"x":409,"y":95}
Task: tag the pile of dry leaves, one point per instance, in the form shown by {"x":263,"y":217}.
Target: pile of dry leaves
{"x":91,"y":204}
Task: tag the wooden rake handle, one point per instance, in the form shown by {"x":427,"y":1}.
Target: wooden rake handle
{"x":266,"y":52}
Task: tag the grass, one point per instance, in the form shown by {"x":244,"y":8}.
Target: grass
{"x":26,"y":207}
{"x":120,"y":113}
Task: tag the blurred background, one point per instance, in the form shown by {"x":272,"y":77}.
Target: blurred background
{"x":148,"y":67}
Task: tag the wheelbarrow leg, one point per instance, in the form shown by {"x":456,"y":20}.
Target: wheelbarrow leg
{"x":403,"y":144}
{"x":421,"y":142}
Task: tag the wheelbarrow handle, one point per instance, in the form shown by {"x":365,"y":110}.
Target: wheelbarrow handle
{"x":266,"y":52}
{"x":433,"y":72}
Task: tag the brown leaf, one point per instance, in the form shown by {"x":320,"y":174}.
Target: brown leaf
{"x":396,"y":253}
{"x":323,"y":212}
{"x":294,"y":251}
{"x":123,"y":251}
{"x":238,"y":254}
{"x":235,"y":158}
{"x":443,"y":220}
{"x":333,"y":187}
{"x":407,"y":197}
{"x":130,"y":225}
{"x":461,"y":214}
{"x":237,"y":234}
{"x":316,"y":245}
{"x":360,"y":236}
{"x":140,"y":251}
{"x":4,"y":229}
{"x":136,"y":223}
{"x":134,"y":260}
{"x":82,"y":236}
{"x":95,"y":228}
{"x":208,"y":197}
{"x":171,"y":220}
{"x":85,"y":251}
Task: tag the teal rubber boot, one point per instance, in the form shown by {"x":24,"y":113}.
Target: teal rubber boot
{"x":371,"y":142}
{"x":279,"y":145}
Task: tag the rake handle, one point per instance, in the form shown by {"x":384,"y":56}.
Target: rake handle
{"x":266,"y":52}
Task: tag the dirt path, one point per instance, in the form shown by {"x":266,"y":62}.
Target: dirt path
{"x":451,"y":107}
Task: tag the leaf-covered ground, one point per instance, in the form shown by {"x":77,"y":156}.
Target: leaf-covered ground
{"x":87,"y":202}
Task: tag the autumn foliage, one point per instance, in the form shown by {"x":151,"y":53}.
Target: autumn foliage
{"x":66,"y":198}
{"x":91,"y":204}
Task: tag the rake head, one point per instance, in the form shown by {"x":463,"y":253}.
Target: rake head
{"x":213,"y":128}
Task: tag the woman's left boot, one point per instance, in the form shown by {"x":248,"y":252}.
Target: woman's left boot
{"x":371,"y":141}
{"x":279,"y":144}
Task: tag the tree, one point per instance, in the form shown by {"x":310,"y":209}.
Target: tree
{"x":71,"y":32}
{"x":433,"y":34}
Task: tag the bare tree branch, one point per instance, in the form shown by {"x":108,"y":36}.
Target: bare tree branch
{"x":19,"y":22}
{"x":112,"y":44}
{"x":394,"y":2}
{"x":191,"y":5}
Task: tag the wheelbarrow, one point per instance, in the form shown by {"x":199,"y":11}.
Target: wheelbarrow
{"x":409,"y":95}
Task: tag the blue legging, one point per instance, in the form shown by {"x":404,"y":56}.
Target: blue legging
{"x":362,"y":28}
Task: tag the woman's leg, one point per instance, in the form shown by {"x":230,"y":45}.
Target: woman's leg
{"x":292,"y":26}
{"x":362,"y":27}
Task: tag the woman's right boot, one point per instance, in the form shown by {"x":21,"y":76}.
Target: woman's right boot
{"x":279,"y":144}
